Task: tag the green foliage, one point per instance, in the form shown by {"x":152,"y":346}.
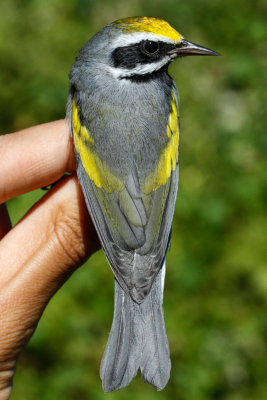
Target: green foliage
{"x":216,"y":283}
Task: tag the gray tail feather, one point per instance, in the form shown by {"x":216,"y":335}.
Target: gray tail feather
{"x":137,"y":340}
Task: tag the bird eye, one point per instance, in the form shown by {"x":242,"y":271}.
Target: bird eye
{"x":150,"y":48}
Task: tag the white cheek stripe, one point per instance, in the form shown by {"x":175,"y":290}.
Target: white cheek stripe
{"x":140,"y":69}
{"x":133,"y":38}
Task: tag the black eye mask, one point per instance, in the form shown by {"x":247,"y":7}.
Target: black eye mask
{"x":140,"y":53}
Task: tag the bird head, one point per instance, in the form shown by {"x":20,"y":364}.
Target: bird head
{"x":138,"y":46}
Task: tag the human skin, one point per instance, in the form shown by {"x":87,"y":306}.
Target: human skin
{"x":49,"y":243}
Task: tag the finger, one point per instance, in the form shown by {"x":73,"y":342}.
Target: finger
{"x":34,"y":157}
{"x":36,"y":257}
{"x":5,"y":223}
{"x":49,"y":242}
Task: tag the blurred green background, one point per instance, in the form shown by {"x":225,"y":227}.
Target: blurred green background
{"x":216,"y":282}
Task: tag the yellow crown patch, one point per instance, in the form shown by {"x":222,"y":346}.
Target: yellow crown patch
{"x":148,"y":24}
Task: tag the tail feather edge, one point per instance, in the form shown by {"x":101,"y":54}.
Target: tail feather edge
{"x":137,"y":340}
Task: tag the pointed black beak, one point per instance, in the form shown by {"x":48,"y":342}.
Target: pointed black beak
{"x":185,"y":48}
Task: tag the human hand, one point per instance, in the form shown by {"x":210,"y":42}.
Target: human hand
{"x":48,"y":244}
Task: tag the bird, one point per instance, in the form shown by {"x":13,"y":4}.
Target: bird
{"x":124,"y":119}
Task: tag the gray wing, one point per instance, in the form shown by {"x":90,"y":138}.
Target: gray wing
{"x":136,"y":249}
{"x":133,"y":227}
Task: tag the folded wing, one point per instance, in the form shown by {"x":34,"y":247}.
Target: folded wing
{"x":133,"y":217}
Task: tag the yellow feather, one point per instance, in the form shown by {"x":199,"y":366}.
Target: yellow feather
{"x":96,"y":169}
{"x":168,"y":158}
{"x":148,"y":24}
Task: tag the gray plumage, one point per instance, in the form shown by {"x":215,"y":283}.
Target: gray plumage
{"x":128,"y":123}
{"x":138,"y":337}
{"x":137,"y":340}
{"x":129,"y":126}
{"x":123,"y":110}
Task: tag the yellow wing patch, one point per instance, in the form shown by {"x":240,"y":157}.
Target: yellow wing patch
{"x":95,"y":168}
{"x":168,"y":158}
{"x":148,"y":24}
